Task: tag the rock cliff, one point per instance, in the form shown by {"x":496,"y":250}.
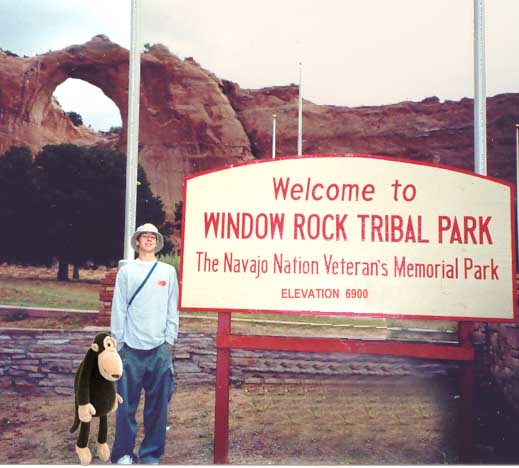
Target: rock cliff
{"x":191,"y":120}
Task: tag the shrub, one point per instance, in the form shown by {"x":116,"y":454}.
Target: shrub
{"x":75,"y":118}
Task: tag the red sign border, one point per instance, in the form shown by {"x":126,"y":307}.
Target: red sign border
{"x":353,"y":314}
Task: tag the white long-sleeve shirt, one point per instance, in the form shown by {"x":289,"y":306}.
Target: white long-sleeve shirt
{"x":152,"y":318}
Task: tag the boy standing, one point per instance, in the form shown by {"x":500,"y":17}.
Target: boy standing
{"x":144,"y":322}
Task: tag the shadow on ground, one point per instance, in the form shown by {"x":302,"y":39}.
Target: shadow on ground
{"x":496,"y":427}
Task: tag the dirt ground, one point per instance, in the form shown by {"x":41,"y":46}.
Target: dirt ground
{"x":391,"y":422}
{"x":362,"y":422}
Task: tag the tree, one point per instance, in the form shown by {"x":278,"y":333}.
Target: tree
{"x":9,"y":53}
{"x":75,"y":118}
{"x":19,"y":207}
{"x":83,"y":190}
{"x":177,"y":216}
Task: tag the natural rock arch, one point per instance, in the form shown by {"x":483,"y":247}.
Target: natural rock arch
{"x":178,"y":134}
{"x":94,"y":105}
{"x":191,"y":120}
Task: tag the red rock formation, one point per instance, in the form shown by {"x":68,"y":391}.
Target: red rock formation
{"x":186,"y":122}
{"x":429,"y":130}
{"x":190,"y":120}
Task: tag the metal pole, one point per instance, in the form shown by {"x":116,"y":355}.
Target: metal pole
{"x":300,"y":113}
{"x":480,"y":109}
{"x":132,"y":144}
{"x":273,"y":136}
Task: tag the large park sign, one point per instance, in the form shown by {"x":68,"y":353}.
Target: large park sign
{"x":351,"y":235}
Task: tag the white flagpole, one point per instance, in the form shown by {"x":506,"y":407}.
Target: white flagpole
{"x":300,"y":113}
{"x":273,"y":136}
{"x":480,"y":108}
{"x":132,"y":143}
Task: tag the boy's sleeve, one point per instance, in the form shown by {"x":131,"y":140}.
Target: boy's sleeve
{"x":172,"y":319}
{"x":119,"y":307}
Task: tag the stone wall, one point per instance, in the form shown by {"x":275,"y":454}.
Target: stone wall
{"x":499,"y":344}
{"x":44,"y":361}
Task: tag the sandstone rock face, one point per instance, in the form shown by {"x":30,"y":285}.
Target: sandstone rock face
{"x":186,"y":122}
{"x":429,"y":131}
{"x":190,"y":120}
{"x":28,"y":114}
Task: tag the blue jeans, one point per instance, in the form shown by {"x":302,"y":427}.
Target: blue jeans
{"x":151,"y":370}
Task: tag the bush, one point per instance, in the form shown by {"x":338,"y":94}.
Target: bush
{"x":75,"y":118}
{"x":9,"y":53}
{"x":173,"y":260}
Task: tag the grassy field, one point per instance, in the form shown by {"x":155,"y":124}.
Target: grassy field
{"x":36,"y":287}
{"x":48,"y":293}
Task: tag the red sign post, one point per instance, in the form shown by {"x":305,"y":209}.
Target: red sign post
{"x":346,"y":235}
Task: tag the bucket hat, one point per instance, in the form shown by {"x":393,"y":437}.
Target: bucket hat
{"x":148,"y":227}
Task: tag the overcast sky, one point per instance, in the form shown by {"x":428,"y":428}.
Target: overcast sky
{"x":354,"y":52}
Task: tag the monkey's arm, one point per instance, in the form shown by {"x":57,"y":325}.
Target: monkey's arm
{"x":85,"y":409}
{"x":118,"y":401}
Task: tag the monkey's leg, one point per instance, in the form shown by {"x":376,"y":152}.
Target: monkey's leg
{"x":85,"y":457}
{"x":103,"y":451}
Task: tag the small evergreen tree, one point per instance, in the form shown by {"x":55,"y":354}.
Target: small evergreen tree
{"x":75,"y":118}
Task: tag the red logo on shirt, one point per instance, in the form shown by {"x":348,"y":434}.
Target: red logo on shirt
{"x":161,"y":283}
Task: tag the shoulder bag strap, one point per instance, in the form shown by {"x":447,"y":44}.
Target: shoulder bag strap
{"x":143,"y":283}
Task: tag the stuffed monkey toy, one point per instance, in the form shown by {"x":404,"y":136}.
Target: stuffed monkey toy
{"x":95,"y":394}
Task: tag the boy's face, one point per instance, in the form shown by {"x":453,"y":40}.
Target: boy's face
{"x":147,"y":242}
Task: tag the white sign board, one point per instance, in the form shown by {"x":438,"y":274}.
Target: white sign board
{"x":349,"y":235}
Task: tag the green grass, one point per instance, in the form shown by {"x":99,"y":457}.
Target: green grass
{"x":330,"y":319}
{"x":85,"y":296}
{"x":439,"y":325}
{"x":51,"y":294}
{"x":314,"y":319}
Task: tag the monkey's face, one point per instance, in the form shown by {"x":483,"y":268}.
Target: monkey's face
{"x":109,"y":362}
